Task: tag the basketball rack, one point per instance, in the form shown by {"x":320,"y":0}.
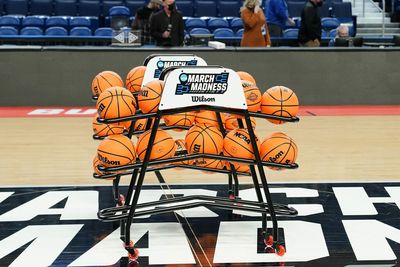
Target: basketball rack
{"x":127,"y":208}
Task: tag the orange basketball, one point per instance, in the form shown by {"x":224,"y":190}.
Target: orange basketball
{"x":237,"y":144}
{"x":208,"y":117}
{"x":116,"y":102}
{"x":280,"y":101}
{"x":140,"y":124}
{"x":105,"y":80}
{"x":96,"y":163}
{"x":278,"y":148}
{"x":163,"y":146}
{"x":252,"y":95}
{"x":246,"y":76}
{"x":116,"y":150}
{"x":210,"y":163}
{"x":180,"y":119}
{"x":150,"y":95}
{"x":104,"y":129}
{"x":134,"y":78}
{"x":181,"y":149}
{"x":241,"y":168}
{"x":232,"y":123}
{"x":204,"y":139}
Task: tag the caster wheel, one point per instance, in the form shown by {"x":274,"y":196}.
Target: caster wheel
{"x":135,"y":256}
{"x":280,"y":250}
{"x":121,"y":200}
{"x":269,"y":250}
{"x":133,"y":264}
{"x":269,"y":240}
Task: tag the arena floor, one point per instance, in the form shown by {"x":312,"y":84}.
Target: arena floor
{"x":347,"y":192}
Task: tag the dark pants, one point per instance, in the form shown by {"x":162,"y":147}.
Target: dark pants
{"x":275,"y":30}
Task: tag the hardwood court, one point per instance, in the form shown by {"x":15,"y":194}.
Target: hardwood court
{"x":59,"y":151}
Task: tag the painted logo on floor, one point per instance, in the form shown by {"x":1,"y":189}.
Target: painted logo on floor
{"x":337,"y":225}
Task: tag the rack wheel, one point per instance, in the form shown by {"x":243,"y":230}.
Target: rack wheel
{"x":269,"y":250}
{"x":231,"y":197}
{"x":133,"y":264}
{"x":269,"y":240}
{"x":121,"y":200}
{"x":280,"y":250}
{"x":135,"y":256}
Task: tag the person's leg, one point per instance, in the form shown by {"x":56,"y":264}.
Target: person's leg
{"x":275,"y":30}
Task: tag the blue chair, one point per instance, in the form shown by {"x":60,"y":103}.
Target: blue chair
{"x":195,"y":23}
{"x":66,"y":8}
{"x":223,"y":32}
{"x":134,"y":5}
{"x":199,"y":31}
{"x":295,"y":8}
{"x":104,"y":31}
{"x":79,"y":22}
{"x":329,"y":23}
{"x":32,"y":31}
{"x":16,"y":7}
{"x":80,"y":31}
{"x":41,"y":7}
{"x":10,"y":20}
{"x":229,"y":8}
{"x":119,"y":17}
{"x":291,"y":33}
{"x":342,"y":11}
{"x":107,"y":5}
{"x":8,"y":30}
{"x":35,"y":21}
{"x":236,"y":24}
{"x":332,"y":33}
{"x":205,"y":8}
{"x":57,"y":21}
{"x":56,"y":31}
{"x":214,"y":23}
{"x":185,"y":7}
{"x":89,"y":8}
{"x":239,"y":33}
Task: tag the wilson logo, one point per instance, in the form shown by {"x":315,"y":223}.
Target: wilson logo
{"x":105,"y":160}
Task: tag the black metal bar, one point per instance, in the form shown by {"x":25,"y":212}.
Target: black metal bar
{"x":259,"y":196}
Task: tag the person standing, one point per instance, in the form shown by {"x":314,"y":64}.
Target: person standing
{"x":166,"y":26}
{"x":277,"y":17}
{"x":255,"y":32}
{"x":310,"y":28}
{"x":142,"y":19}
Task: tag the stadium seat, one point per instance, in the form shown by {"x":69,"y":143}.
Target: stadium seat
{"x":295,"y":8}
{"x":10,"y":20}
{"x":66,"y":8}
{"x":105,"y":31}
{"x":290,"y":33}
{"x":229,"y":8}
{"x":89,"y":8}
{"x":8,"y":30}
{"x":332,"y":33}
{"x":236,"y":24}
{"x":41,"y":7}
{"x":57,"y":21}
{"x":199,"y":31}
{"x":329,"y":23}
{"x":185,"y":7}
{"x":107,"y":5}
{"x":239,"y":33}
{"x":214,"y":23}
{"x":342,"y":11}
{"x":205,"y":8}
{"x":223,"y":32}
{"x":119,"y":17}
{"x":56,"y":31}
{"x":80,"y":31}
{"x":35,"y":21}
{"x":16,"y":7}
{"x":32,"y":31}
{"x":134,"y":5}
{"x":195,"y":23}
{"x":79,"y":22}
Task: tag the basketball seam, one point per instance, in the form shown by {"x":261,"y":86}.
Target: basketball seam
{"x":133,"y":156}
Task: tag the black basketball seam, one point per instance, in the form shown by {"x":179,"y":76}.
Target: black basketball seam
{"x":126,"y":103}
{"x":239,"y":144}
{"x":116,"y":93}
{"x":112,"y":98}
{"x":109,"y":153}
{"x":133,"y":156}
{"x":106,"y":80}
{"x":273,"y":97}
{"x":215,"y":145}
{"x":269,"y":151}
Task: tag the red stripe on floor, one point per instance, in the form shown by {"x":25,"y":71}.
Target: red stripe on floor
{"x":304,"y":111}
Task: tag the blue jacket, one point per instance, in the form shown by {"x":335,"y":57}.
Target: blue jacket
{"x":277,"y":13}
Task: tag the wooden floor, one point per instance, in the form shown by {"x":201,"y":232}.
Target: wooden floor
{"x":59,"y":151}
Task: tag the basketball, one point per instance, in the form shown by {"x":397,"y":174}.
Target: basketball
{"x":210,"y":163}
{"x":246,"y":76}
{"x":140,"y":124}
{"x":104,"y":129}
{"x":116,"y":102}
{"x":208,"y":117}
{"x":96,"y":163}
{"x":150,"y":95}
{"x":105,"y":80}
{"x":162,"y":148}
{"x":134,"y":78}
{"x":116,"y":150}
{"x":237,"y":144}
{"x":180,"y":119}
{"x":204,"y":139}
{"x":232,"y":123}
{"x":278,"y":148}
{"x":238,"y":168}
{"x":279,"y":101}
{"x":252,"y":95}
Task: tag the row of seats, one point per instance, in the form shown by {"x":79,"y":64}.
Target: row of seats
{"x":342,"y":11}
{"x":54,"y":31}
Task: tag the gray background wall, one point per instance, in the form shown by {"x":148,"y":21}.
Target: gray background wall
{"x":55,"y":76}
